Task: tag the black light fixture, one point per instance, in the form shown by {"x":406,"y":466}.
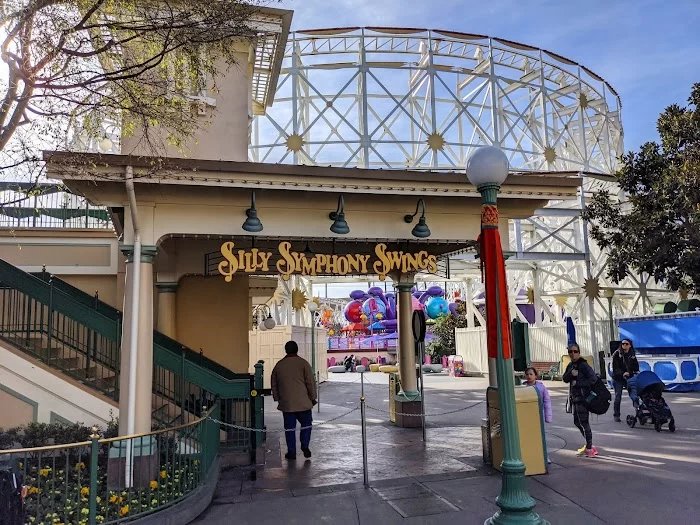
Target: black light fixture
{"x":252,"y":223}
{"x":307,"y":250}
{"x":421,"y":229}
{"x":339,"y":226}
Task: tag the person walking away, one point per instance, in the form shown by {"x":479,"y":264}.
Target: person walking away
{"x":294,"y":389}
{"x":531,"y":380}
{"x":580,"y":377}
{"x":625,"y":367}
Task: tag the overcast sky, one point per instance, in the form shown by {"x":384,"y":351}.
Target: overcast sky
{"x":648,"y":50}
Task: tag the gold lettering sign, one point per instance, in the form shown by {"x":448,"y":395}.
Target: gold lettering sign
{"x":291,"y":262}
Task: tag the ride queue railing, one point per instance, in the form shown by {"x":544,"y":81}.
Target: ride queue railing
{"x":86,"y":483}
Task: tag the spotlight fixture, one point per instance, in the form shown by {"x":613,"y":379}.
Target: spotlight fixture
{"x":339,"y":226}
{"x":421,"y":229}
{"x":252,"y":223}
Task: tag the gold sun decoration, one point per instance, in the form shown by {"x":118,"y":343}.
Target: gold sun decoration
{"x":299,"y":299}
{"x":550,"y":154}
{"x":531,"y":295}
{"x":294,"y":142}
{"x":592,"y":288}
{"x":435,"y":141}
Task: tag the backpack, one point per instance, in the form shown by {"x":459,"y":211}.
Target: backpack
{"x":598,"y":401}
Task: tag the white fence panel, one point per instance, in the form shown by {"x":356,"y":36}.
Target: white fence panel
{"x":599,"y":341}
{"x":470,"y":343}
{"x":547,"y":343}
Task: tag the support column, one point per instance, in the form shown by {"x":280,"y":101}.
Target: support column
{"x":407,"y":345}
{"x":408,"y":402}
{"x":144,"y":347}
{"x":167,"y":309}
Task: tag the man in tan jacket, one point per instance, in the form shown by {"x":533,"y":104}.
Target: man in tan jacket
{"x":294,"y":388}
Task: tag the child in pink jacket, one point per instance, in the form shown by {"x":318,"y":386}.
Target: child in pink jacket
{"x":531,"y":380}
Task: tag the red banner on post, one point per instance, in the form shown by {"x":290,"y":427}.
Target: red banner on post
{"x":494,"y":276}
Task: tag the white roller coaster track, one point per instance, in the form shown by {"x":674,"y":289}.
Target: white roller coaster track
{"x":396,"y":98}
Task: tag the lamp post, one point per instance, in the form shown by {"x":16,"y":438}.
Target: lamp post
{"x":487,"y":169}
{"x":609,"y":293}
{"x":312,"y":306}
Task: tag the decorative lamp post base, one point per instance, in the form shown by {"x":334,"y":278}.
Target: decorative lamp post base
{"x":514,"y":501}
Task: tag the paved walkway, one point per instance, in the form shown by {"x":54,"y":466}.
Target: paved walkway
{"x":641,"y":476}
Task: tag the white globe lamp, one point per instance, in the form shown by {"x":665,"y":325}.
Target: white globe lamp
{"x":488,"y":165}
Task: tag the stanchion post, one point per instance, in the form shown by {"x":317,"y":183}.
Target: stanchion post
{"x":421,"y":351}
{"x":364,"y":431}
{"x":318,"y":392}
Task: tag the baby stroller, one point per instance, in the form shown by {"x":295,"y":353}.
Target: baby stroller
{"x":651,"y":403}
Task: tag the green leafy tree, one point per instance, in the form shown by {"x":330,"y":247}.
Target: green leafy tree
{"x":444,"y":331}
{"x":653,"y":225}
{"x":67,"y":64}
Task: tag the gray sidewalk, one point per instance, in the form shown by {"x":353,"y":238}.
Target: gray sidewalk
{"x":641,"y":476}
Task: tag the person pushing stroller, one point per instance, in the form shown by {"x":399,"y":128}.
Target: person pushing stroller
{"x":625,"y":367}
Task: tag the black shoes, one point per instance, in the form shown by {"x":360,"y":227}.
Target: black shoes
{"x":617,"y":419}
{"x":292,"y":457}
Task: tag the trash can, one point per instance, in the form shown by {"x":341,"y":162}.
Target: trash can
{"x":533,"y":448}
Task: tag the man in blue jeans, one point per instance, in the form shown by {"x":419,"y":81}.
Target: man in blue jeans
{"x":624,"y":368}
{"x":294,"y":389}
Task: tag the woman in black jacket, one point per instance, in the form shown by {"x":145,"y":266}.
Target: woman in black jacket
{"x":580,"y":377}
{"x":624,"y":368}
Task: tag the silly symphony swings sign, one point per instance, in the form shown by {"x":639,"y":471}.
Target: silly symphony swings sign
{"x":291,"y":262}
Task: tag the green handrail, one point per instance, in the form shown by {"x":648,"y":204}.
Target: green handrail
{"x":78,"y":482}
{"x":182,"y":377}
{"x":159,"y":339}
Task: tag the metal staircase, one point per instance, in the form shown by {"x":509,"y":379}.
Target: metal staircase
{"x":80,"y":336}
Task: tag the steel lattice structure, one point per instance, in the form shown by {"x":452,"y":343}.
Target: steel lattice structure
{"x":392,"y":98}
{"x":398,"y":98}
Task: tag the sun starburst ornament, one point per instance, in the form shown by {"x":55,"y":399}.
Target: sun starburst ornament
{"x":294,"y":142}
{"x":561,"y":300}
{"x":592,"y":288}
{"x":299,"y":299}
{"x":583,"y":100}
{"x":550,"y":155}
{"x":435,"y":141}
{"x":531,"y":295}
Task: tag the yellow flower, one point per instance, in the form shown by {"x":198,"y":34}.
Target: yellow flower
{"x":20,"y":464}
{"x":154,"y":485}
{"x":113,"y":498}
{"x":80,"y":466}
{"x":124,"y":510}
{"x":98,"y":499}
{"x":163,"y":474}
{"x":85,"y":492}
{"x":44,"y":472}
{"x":33,"y":490}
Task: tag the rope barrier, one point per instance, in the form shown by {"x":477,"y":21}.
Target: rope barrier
{"x":426,"y":415}
{"x":265,"y":431}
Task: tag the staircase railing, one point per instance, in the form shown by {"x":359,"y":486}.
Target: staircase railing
{"x":85,"y":482}
{"x":57,"y":325}
{"x":94,"y":302}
